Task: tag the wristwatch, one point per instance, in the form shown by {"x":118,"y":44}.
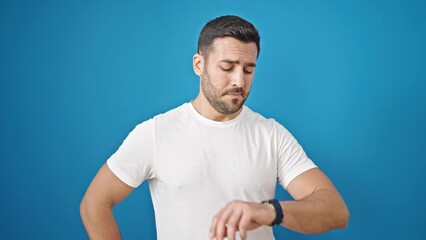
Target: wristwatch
{"x":279,"y":215}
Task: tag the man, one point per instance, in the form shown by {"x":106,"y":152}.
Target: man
{"x":212,"y":164}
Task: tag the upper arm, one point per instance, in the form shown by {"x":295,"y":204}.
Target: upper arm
{"x":106,"y":188}
{"x":309,"y":182}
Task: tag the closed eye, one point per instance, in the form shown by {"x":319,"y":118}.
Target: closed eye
{"x":226,"y":69}
{"x":248,"y":70}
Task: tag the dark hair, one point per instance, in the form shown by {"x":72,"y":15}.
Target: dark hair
{"x":227,"y":26}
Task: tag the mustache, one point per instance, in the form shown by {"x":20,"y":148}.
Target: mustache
{"x":234,"y":90}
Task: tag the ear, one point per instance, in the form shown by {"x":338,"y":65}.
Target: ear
{"x":198,"y":64}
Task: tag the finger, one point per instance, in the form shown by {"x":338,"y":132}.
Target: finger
{"x":232,"y":224}
{"x":218,"y":227}
{"x":222,"y":224}
{"x":213,"y":225}
{"x":243,"y":225}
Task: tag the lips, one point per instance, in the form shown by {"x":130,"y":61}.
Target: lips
{"x":236,"y":92}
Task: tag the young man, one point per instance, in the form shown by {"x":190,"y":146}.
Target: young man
{"x":212,"y":164}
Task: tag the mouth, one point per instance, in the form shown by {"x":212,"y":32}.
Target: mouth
{"x":235,"y":93}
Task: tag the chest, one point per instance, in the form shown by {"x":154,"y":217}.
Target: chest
{"x":227,"y":162}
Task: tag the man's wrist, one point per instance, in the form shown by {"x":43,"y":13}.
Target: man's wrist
{"x":276,"y":207}
{"x":272,"y":214}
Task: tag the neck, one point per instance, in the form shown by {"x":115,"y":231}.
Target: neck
{"x":203,"y":107}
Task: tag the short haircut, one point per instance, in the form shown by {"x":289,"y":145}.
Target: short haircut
{"x":227,"y":26}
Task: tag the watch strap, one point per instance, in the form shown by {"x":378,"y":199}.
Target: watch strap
{"x":279,"y":215}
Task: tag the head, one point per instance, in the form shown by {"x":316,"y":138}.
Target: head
{"x":228,"y":48}
{"x":227,"y":26}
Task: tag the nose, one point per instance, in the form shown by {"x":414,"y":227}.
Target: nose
{"x":238,"y":78}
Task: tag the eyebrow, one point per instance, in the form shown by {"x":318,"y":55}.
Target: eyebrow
{"x":237,"y":62}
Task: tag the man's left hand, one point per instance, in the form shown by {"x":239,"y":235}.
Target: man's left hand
{"x":239,"y":216}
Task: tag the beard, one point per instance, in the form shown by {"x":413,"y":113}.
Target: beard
{"x":218,"y":100}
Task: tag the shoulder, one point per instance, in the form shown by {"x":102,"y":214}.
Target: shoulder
{"x":174,"y":117}
{"x":257,"y":120}
{"x":183,"y":109}
{"x":170,"y":116}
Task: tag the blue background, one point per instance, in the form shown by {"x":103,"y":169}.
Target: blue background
{"x":347,"y":78}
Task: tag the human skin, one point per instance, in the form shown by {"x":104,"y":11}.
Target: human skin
{"x":317,"y":206}
{"x":227,"y":72}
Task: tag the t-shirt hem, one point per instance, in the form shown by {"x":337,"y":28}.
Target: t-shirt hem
{"x":121,"y":175}
{"x":294,"y":173}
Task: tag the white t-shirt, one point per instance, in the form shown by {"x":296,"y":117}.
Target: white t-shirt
{"x":195,"y":166}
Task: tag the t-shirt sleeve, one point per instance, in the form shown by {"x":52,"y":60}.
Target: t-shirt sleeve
{"x":292,"y":159}
{"x":132,"y":163}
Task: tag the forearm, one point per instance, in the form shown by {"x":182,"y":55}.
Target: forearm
{"x":99,"y":222}
{"x":321,"y":211}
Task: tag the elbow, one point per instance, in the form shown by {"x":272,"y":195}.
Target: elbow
{"x":84,"y":210}
{"x":88,"y":208}
{"x":92,"y":210}
{"x":343,"y":218}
